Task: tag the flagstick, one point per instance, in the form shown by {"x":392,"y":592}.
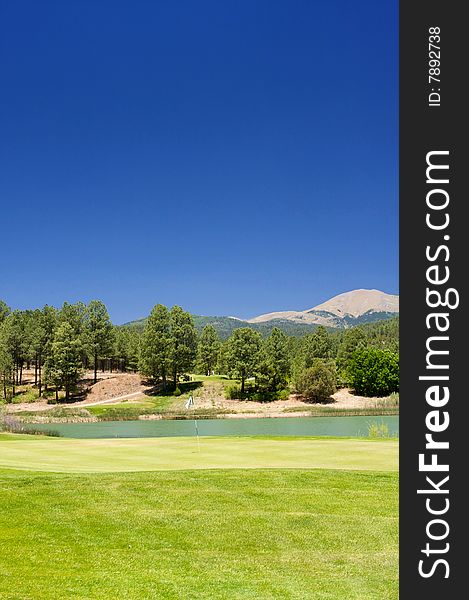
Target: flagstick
{"x":189,"y":404}
{"x":197,"y":433}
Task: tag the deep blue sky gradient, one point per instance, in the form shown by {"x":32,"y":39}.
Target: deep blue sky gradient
{"x":231,"y":157}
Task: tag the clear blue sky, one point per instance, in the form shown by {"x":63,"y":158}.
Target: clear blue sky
{"x":233,"y":157}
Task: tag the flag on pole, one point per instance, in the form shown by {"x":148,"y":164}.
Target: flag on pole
{"x":190,"y":402}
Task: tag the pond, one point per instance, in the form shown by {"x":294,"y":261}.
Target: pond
{"x":283,"y":426}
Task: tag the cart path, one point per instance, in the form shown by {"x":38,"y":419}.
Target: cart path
{"x":109,"y":400}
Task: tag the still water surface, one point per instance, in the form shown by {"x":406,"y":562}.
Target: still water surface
{"x":296,"y":426}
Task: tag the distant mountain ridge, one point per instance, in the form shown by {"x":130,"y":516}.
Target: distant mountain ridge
{"x":346,"y":310}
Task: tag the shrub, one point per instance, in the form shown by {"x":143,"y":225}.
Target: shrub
{"x":374,"y":372}
{"x":26,"y":395}
{"x":318,"y":382}
{"x":283,"y":395}
{"x":177,"y":391}
{"x":266,"y":396}
{"x":233,"y":392}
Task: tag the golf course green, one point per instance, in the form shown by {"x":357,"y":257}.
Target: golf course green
{"x":40,"y":453}
{"x":232,"y":518}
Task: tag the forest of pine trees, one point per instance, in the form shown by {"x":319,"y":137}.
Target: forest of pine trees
{"x":60,"y":345}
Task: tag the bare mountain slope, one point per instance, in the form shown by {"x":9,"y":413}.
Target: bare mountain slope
{"x":341,"y":311}
{"x":345,"y":310}
{"x":359,"y":302}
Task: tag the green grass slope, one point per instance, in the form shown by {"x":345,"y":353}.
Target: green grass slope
{"x":205,"y":535}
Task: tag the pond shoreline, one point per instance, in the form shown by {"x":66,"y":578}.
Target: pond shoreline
{"x":330,"y":412}
{"x":352,"y":426}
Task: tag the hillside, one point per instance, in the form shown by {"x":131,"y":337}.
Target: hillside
{"x":354,"y":308}
{"x":226,"y":325}
{"x":342,"y":311}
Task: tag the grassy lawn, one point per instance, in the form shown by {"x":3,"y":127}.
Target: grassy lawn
{"x":152,"y":454}
{"x":211,"y":534}
{"x":150,"y":404}
{"x":244,"y":518}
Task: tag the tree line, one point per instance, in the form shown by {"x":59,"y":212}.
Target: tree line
{"x":60,"y":344}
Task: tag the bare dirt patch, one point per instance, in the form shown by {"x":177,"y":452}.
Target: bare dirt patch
{"x":108,"y":387}
{"x":211,"y":396}
{"x":114,"y":386}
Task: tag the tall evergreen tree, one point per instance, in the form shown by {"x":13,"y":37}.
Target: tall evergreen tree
{"x":318,"y":345}
{"x":243,"y":353}
{"x":16,"y":342}
{"x":155,"y":345}
{"x":98,"y":333}
{"x":49,"y":323}
{"x":6,"y":363}
{"x":4,"y":311}
{"x":183,"y":342}
{"x":74,"y":314}
{"x":208,"y":349}
{"x":275,"y":362}
{"x":352,"y":339}
{"x":64,"y":366}
{"x":315,"y":345}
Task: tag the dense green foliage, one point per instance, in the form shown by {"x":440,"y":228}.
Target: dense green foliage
{"x":225,"y":326}
{"x":243,"y":354}
{"x":63,"y":367}
{"x":4,"y":311}
{"x":374,"y":372}
{"x":155,"y":344}
{"x":183,"y":348}
{"x":318,"y":382}
{"x":98,"y":332}
{"x":59,"y":345}
{"x":168,"y":344}
{"x":274,"y":362}
{"x":169,"y":348}
{"x":208,"y":350}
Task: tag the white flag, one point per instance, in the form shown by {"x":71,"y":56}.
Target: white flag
{"x":190,"y":402}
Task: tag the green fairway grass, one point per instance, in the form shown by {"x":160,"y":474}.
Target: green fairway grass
{"x":40,"y":453}
{"x":241,"y":519}
{"x":213,"y":534}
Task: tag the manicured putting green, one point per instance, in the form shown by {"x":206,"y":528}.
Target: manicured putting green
{"x":181,"y":453}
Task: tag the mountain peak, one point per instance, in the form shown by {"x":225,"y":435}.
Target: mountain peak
{"x":342,"y":310}
{"x":359,"y":302}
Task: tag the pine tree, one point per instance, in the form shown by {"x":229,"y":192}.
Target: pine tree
{"x":98,"y":333}
{"x":183,"y":342}
{"x":352,"y":339}
{"x":64,"y":366}
{"x":6,"y":363}
{"x":243,"y":353}
{"x":208,"y":350}
{"x":49,"y":322}
{"x":4,"y":311}
{"x":275,"y":363}
{"x":155,"y":345}
{"x":15,"y":343}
